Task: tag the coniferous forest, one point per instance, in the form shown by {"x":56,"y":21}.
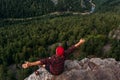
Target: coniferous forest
{"x":29,"y":31}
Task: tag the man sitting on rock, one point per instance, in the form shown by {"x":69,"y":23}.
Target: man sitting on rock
{"x":55,"y":64}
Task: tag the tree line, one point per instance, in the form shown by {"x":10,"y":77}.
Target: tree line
{"x":30,"y":8}
{"x":25,"y":8}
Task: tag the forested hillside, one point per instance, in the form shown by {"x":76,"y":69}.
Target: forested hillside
{"x":31,"y":8}
{"x":32,"y":39}
{"x":29,"y":32}
{"x":108,"y":5}
{"x":25,"y":8}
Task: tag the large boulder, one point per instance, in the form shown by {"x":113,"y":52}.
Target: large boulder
{"x":86,"y":69}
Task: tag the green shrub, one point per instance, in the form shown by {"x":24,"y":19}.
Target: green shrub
{"x":94,"y":45}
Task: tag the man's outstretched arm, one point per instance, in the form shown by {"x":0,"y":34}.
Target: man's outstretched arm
{"x":73,"y":47}
{"x":29,"y":64}
{"x":41,"y":62}
{"x":81,"y":41}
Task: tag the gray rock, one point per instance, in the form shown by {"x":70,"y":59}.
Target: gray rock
{"x":86,"y":69}
{"x":72,"y":65}
{"x":43,"y":75}
{"x":97,"y":61}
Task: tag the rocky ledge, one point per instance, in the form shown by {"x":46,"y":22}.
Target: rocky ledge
{"x":86,"y":69}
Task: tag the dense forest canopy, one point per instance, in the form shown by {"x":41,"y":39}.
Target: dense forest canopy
{"x":25,"y":8}
{"x":30,"y":8}
{"x":26,"y":35}
{"x":108,"y":5}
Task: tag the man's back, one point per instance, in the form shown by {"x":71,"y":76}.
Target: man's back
{"x":56,"y":63}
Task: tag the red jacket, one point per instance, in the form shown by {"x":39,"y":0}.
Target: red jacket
{"x":57,"y":63}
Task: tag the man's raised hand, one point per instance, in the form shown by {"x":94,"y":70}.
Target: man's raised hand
{"x":82,"y":41}
{"x":26,"y":65}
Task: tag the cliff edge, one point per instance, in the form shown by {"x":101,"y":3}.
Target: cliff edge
{"x":86,"y":69}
